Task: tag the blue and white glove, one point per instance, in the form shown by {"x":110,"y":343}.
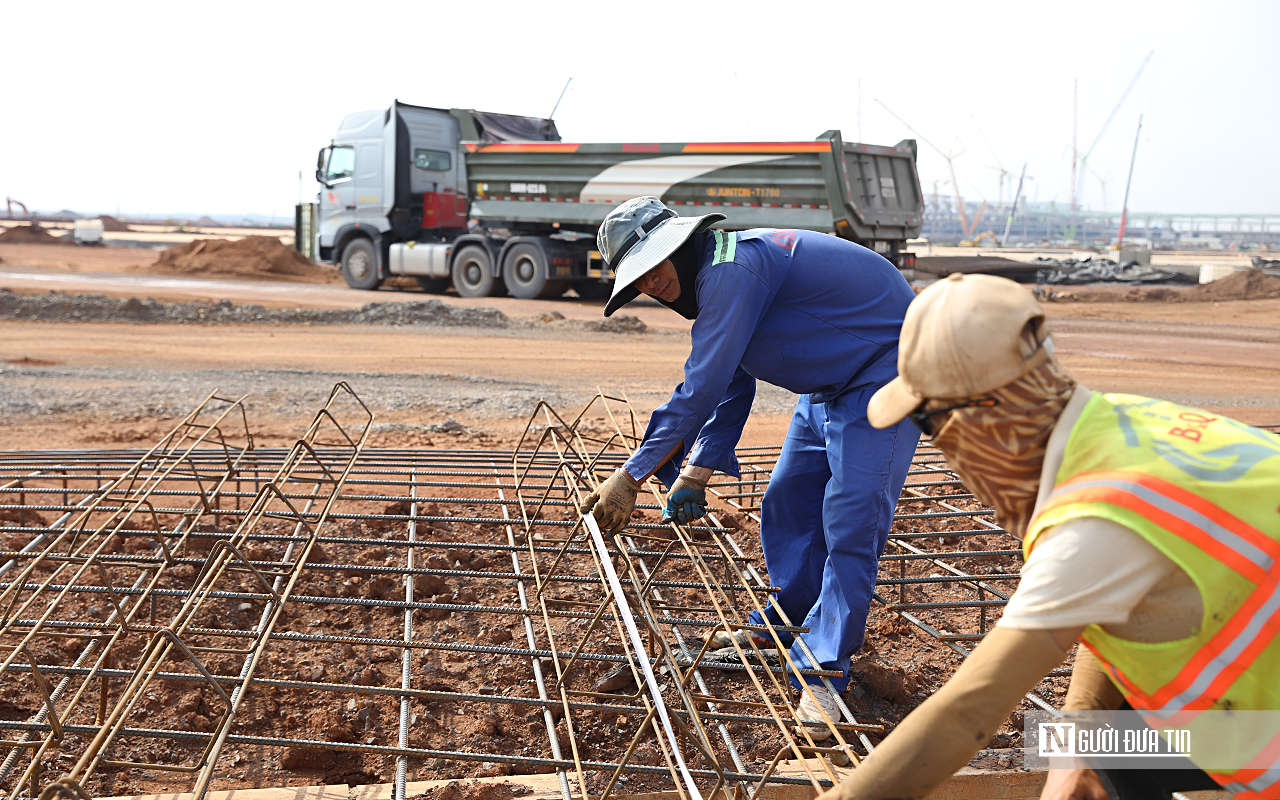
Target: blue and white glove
{"x":686,"y":501}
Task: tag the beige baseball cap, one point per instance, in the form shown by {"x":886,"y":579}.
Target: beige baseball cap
{"x":962,"y":337}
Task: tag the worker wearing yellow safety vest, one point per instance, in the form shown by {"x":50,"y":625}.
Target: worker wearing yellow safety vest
{"x":1151,"y":533}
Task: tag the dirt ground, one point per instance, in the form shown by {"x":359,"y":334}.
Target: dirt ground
{"x":111,"y":385}
{"x":892,"y":673}
{"x":1232,"y":369}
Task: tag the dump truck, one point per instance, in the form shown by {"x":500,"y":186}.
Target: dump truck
{"x":497,"y":203}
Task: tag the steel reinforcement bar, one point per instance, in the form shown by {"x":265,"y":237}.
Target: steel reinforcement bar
{"x":211,"y":569}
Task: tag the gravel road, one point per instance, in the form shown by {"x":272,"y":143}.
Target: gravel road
{"x":131,"y":394}
{"x":76,"y":307}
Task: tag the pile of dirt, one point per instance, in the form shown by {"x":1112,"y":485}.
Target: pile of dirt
{"x":620,"y":324}
{"x":75,"y":307}
{"x":252,"y":256}
{"x":60,"y":307}
{"x":474,"y":790}
{"x":1247,"y":284}
{"x":113,"y":225}
{"x":29,"y":234}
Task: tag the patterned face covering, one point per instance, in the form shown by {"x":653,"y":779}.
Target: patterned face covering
{"x":999,"y":451}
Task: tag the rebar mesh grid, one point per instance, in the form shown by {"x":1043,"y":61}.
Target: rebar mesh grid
{"x":455,"y":595}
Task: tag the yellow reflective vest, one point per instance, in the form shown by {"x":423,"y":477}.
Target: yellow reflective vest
{"x":1205,"y":491}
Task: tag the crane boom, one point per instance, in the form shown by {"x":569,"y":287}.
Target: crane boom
{"x":964,"y":221}
{"x":1124,"y":96}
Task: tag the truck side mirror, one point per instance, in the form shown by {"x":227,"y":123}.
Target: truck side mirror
{"x":321,"y":157}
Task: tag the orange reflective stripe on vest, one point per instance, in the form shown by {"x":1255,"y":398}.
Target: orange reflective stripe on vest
{"x":1259,"y":779}
{"x":1232,"y":541}
{"x":1219,"y":534}
{"x":1203,"y":490}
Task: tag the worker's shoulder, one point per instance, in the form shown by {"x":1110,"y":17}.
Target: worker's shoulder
{"x":756,"y":249}
{"x":787,"y":244}
{"x":777,"y":239}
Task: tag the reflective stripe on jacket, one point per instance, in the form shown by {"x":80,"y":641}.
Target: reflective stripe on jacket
{"x":1205,"y":491}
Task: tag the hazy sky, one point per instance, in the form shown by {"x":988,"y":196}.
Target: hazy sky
{"x":215,"y":107}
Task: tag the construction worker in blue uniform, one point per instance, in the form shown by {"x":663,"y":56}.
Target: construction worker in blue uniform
{"x":811,"y":313}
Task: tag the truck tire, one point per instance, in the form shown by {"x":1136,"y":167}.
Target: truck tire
{"x":433,"y":285}
{"x":525,"y":271}
{"x":593,"y":289}
{"x":360,"y":265}
{"x":473,"y":273}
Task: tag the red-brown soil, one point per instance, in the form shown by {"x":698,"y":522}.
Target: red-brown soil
{"x":474,"y":790}
{"x":113,"y":225}
{"x":1248,"y":284}
{"x":262,"y":256}
{"x":29,"y":234}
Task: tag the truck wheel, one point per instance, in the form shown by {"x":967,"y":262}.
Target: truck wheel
{"x":524,"y":268}
{"x":360,"y":265}
{"x":593,"y":289}
{"x":432,"y":285}
{"x":473,"y":273}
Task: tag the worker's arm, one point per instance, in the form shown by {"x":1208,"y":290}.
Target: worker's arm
{"x":713,"y":452}
{"x":718,"y":438}
{"x":731,"y":300}
{"x":941,"y":735}
{"x":1090,"y":690}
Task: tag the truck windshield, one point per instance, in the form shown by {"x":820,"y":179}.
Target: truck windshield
{"x":437,"y":160}
{"x":342,"y":162}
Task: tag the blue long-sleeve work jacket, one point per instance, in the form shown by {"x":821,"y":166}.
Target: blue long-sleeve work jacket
{"x":806,"y":311}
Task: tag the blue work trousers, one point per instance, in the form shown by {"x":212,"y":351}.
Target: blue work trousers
{"x":825,"y":519}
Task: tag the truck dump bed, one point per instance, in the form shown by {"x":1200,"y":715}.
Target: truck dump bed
{"x":859,"y":191}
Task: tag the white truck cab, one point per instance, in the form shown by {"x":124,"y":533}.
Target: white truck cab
{"x":388,"y":176}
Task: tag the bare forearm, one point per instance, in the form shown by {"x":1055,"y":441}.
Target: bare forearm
{"x":942,"y":734}
{"x":1090,"y":688}
{"x":700,"y":473}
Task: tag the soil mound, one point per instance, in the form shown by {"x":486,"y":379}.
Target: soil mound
{"x":253,"y":256}
{"x":113,"y":225}
{"x":1248,"y":284}
{"x":60,"y":307}
{"x":29,"y":234}
{"x":474,"y":790}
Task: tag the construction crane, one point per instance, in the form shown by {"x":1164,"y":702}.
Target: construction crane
{"x":1013,"y":209}
{"x":998,"y":168}
{"x":964,"y":220}
{"x":977,"y":240}
{"x":1084,"y":157}
{"x":10,"y":203}
{"x":1124,"y":209}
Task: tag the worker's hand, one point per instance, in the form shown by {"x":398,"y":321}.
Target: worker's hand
{"x":1073,"y":784}
{"x":687,"y":500}
{"x":613,"y":501}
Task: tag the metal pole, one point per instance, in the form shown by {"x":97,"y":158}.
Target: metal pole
{"x":1013,"y":207}
{"x":1075,"y":153}
{"x":1124,"y":210}
{"x":552,"y":115}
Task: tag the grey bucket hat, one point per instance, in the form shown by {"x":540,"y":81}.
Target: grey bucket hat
{"x":639,"y":235}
